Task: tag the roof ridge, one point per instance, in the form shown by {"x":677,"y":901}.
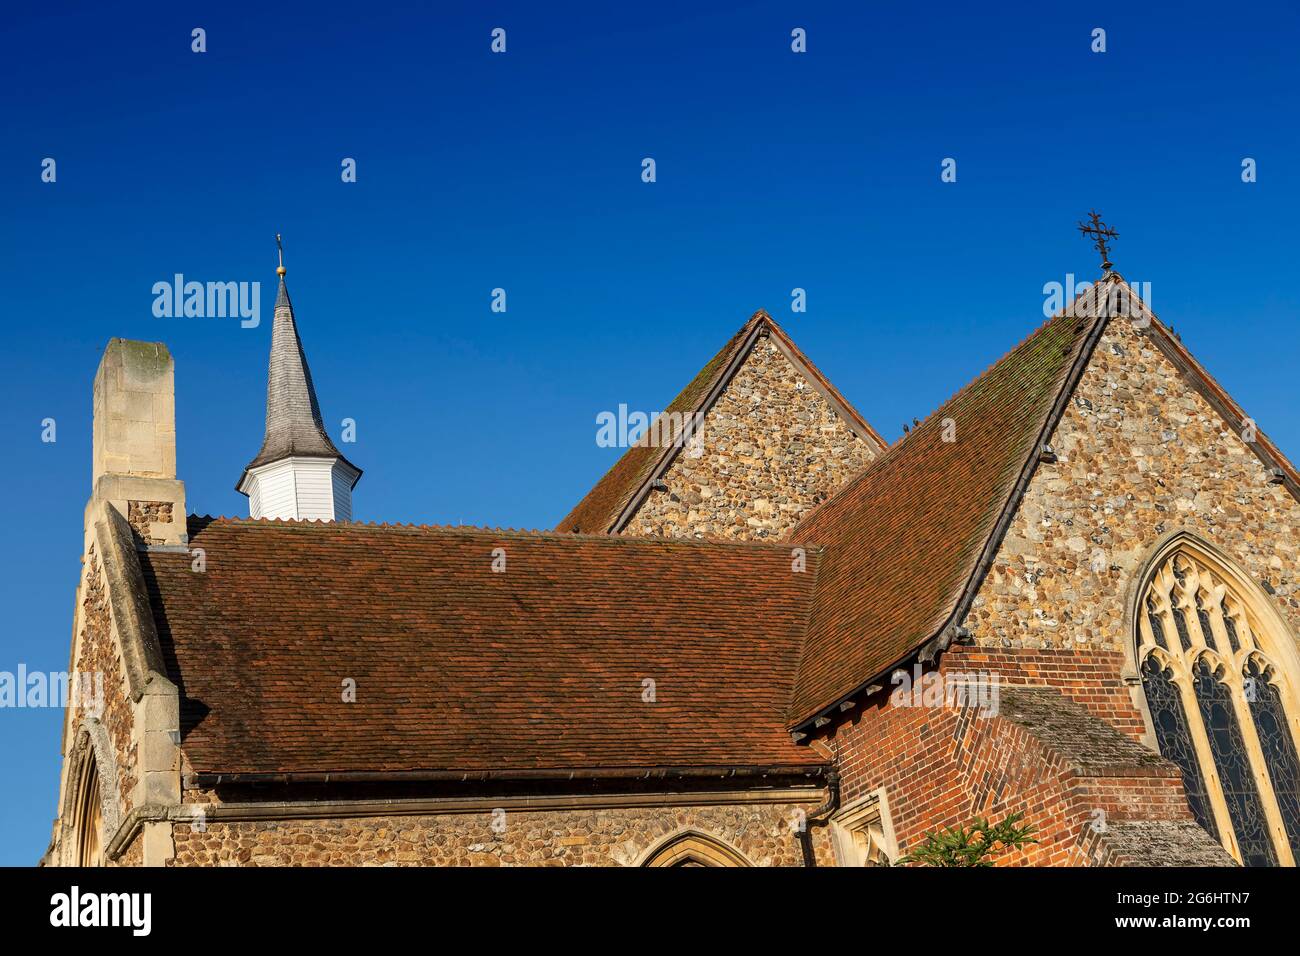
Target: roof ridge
{"x":915,"y":538}
{"x":1273,"y":455}
{"x":626,"y":481}
{"x":485,"y":531}
{"x":692,"y":396}
{"x":890,"y":452}
{"x":820,"y":376}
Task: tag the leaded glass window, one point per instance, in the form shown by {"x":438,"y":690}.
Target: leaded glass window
{"x":1226,"y":716}
{"x":1180,"y":622}
{"x":1278,"y":745}
{"x":1157,"y":626}
{"x":1202,"y":615}
{"x":1175,"y":740}
{"x":1230,"y":626}
{"x":1236,"y":776}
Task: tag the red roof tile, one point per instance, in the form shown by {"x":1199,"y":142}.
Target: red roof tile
{"x":903,"y":539}
{"x":459,"y":668}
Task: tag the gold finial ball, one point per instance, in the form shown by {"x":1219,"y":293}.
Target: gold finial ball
{"x":281,"y":270}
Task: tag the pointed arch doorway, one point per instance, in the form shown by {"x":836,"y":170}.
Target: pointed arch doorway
{"x":693,"y":848}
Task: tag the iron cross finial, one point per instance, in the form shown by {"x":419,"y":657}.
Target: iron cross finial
{"x":280,"y":248}
{"x":1100,"y":232}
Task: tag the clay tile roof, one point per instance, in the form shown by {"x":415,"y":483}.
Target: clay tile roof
{"x":903,"y":540}
{"x":599,"y":512}
{"x":293,"y":419}
{"x":462,"y":669}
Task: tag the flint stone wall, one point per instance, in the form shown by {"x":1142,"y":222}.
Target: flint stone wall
{"x":764,"y":834}
{"x":772,"y":448}
{"x":1141,"y":454}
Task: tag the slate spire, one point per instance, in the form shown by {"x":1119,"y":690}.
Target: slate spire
{"x":294,"y":429}
{"x":293,"y":420}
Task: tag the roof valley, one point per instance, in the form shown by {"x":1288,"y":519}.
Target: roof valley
{"x":875,"y":607}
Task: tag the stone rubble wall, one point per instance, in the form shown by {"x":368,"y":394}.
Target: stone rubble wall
{"x":143,"y":515}
{"x":762,"y":833}
{"x":1141,"y":454}
{"x":773,"y":448}
{"x":99,"y":655}
{"x":133,"y":855}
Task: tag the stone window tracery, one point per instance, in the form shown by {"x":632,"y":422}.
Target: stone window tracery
{"x":862,"y":834}
{"x":1222,"y":701}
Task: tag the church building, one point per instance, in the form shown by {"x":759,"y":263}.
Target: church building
{"x":766,"y":637}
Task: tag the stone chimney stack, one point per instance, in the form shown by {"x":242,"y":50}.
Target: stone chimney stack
{"x":134,"y":441}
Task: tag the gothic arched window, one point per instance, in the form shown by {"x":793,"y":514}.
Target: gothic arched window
{"x":89,"y":821}
{"x":1223,"y":700}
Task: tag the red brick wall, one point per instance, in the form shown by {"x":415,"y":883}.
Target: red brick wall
{"x":1090,"y":678}
{"x":1083,"y":782}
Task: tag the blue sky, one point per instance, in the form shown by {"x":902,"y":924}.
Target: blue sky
{"x":522,"y":171}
